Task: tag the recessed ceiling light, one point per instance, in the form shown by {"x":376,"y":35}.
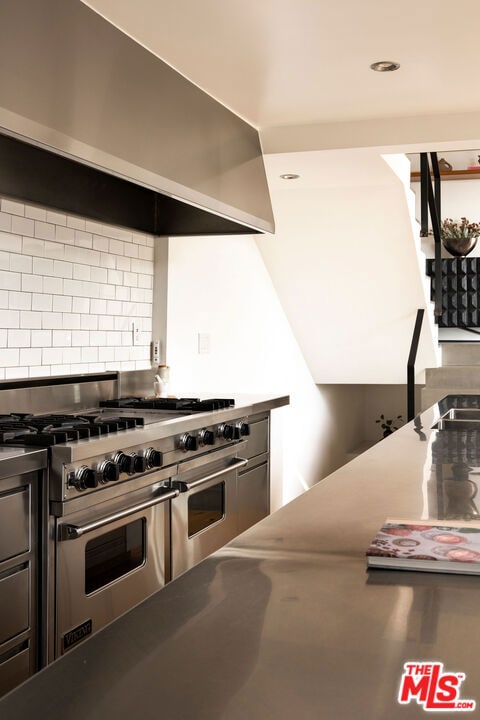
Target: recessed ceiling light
{"x":384,"y":66}
{"x":289,"y":176}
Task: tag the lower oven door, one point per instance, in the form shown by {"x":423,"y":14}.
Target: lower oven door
{"x":205,"y":514}
{"x":107,"y":561}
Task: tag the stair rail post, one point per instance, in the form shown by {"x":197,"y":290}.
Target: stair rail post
{"x":435,"y":220}
{"x":411,"y":365}
{"x":424,"y":170}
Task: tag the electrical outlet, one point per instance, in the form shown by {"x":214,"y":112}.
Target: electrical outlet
{"x":156,"y":352}
{"x":136,"y":334}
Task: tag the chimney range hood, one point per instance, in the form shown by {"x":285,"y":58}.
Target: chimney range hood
{"x":93,"y":123}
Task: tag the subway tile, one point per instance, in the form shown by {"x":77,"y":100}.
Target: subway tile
{"x":51,"y":356}
{"x":5,"y":222}
{"x":89,"y":354}
{"x":10,"y":357}
{"x":127,"y":339}
{"x":64,"y":234}
{"x":41,"y":338}
{"x":12,"y":206}
{"x":100,"y":243}
{"x":10,"y":243}
{"x":56,"y":218}
{"x":98,"y":306}
{"x":121,"y":353}
{"x":80,"y":338}
{"x":122,"y":293}
{"x":146,"y":253}
{"x":71,"y":354}
{"x":71,"y":321}
{"x":42,"y":266}
{"x":3,"y":338}
{"x":115,"y":277}
{"x":54,"y":250}
{"x":116,"y":247}
{"x":10,"y":280}
{"x":150,"y":241}
{"x":80,"y":305}
{"x":99,"y":275}
{"x":63,"y":269}
{"x":55,"y":285}
{"x":75,"y":222}
{"x":142,"y":266}
{"x":106,"y":291}
{"x":131,"y":250}
{"x":19,"y":338}
{"x":114,"y":338}
{"x":21,"y":263}
{"x":35,"y":213}
{"x":97,"y":338}
{"x":62,"y":303}
{"x":16,"y":372}
{"x":84,"y":256}
{"x":83,"y":239}
{"x":106,"y":322}
{"x":30,"y":319}
{"x":41,"y":302}
{"x":107,"y":260}
{"x":93,"y":227}
{"x":81,"y":272}
{"x":106,"y":354}
{"x":4,"y":260}
{"x":4,"y":299}
{"x":51,"y":320}
{"x":39,"y":371}
{"x":123,"y":263}
{"x":19,"y":300}
{"x":116,"y":232}
{"x":22,"y":225}
{"x":89,"y":322}
{"x":45,"y":231}
{"x":30,"y":356}
{"x":64,"y":369}
{"x":122,"y":323}
{"x":139,"y":238}
{"x":33,"y":246}
{"x":61,"y":338}
{"x":32,"y":283}
{"x":96,"y":367}
{"x":145,"y":281}
{"x":130,"y":279}
{"x":114,"y":307}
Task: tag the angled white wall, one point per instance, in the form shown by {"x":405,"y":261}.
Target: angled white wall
{"x":344,"y":263}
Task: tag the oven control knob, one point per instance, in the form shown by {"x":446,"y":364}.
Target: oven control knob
{"x":85,"y":478}
{"x":227,"y":432}
{"x":207,"y":437}
{"x":153,"y":458}
{"x":188,"y":442}
{"x":125,"y":462}
{"x":243,"y":428}
{"x":109,"y":471}
{"x":139,"y":463}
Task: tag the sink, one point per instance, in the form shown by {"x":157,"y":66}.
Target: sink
{"x":459,"y":419}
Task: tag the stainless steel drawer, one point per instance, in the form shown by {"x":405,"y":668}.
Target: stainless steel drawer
{"x":258,"y":438}
{"x":15,"y":525}
{"x":14,"y":595}
{"x":14,"y":667}
{"x":253,"y":494}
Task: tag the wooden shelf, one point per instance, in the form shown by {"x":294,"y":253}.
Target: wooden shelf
{"x":451,"y":175}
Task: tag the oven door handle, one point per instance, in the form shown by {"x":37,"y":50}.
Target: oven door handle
{"x":184,"y":486}
{"x":71,"y":532}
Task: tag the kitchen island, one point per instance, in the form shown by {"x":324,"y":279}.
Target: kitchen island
{"x":286,"y":620}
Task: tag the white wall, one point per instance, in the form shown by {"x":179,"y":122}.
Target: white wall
{"x":220,"y":286}
{"x":70,"y":290}
{"x":344,"y":263}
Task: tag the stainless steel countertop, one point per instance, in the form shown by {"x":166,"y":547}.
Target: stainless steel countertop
{"x":286,"y":621}
{"x":19,"y":460}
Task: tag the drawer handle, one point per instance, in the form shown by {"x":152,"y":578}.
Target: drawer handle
{"x":71,"y":532}
{"x":184,"y":486}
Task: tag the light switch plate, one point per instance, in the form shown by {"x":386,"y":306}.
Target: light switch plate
{"x":136,"y":334}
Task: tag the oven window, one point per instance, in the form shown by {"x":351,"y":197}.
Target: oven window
{"x":114,"y":554}
{"x":205,"y":508}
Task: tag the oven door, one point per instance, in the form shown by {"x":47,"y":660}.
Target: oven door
{"x":109,"y":559}
{"x":205,"y":514}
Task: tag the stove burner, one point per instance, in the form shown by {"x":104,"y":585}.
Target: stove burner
{"x":190,"y":404}
{"x":46,"y":430}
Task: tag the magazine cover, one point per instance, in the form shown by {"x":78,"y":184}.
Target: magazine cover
{"x":417,"y":546}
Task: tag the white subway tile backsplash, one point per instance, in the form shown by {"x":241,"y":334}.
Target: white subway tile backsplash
{"x":19,"y":338}
{"x":41,"y":338}
{"x":22,"y":225}
{"x":12,"y":207}
{"x":44,"y":230}
{"x":69,"y":289}
{"x":41,"y":302}
{"x":35,"y":212}
{"x":10,"y":280}
{"x":19,"y":300}
{"x":32,"y":283}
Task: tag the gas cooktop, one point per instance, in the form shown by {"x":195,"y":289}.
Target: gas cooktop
{"x":183,"y":404}
{"x":45,"y":430}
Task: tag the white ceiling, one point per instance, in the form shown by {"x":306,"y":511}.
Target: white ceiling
{"x":283,"y":62}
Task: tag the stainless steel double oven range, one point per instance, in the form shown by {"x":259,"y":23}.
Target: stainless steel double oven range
{"x":135,"y":506}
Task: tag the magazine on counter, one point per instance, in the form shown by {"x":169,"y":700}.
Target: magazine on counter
{"x":431,"y":546}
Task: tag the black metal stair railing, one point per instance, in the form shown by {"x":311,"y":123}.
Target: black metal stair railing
{"x":411,"y":364}
{"x":430,"y":199}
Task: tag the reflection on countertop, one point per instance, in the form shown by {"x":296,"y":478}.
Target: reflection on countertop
{"x":286,"y":620}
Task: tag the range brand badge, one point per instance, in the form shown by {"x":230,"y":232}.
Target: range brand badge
{"x":429,"y":685}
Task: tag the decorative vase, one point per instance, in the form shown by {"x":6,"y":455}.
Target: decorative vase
{"x":459,"y":246}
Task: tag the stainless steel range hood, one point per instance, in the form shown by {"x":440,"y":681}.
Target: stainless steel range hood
{"x":104,"y":114}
